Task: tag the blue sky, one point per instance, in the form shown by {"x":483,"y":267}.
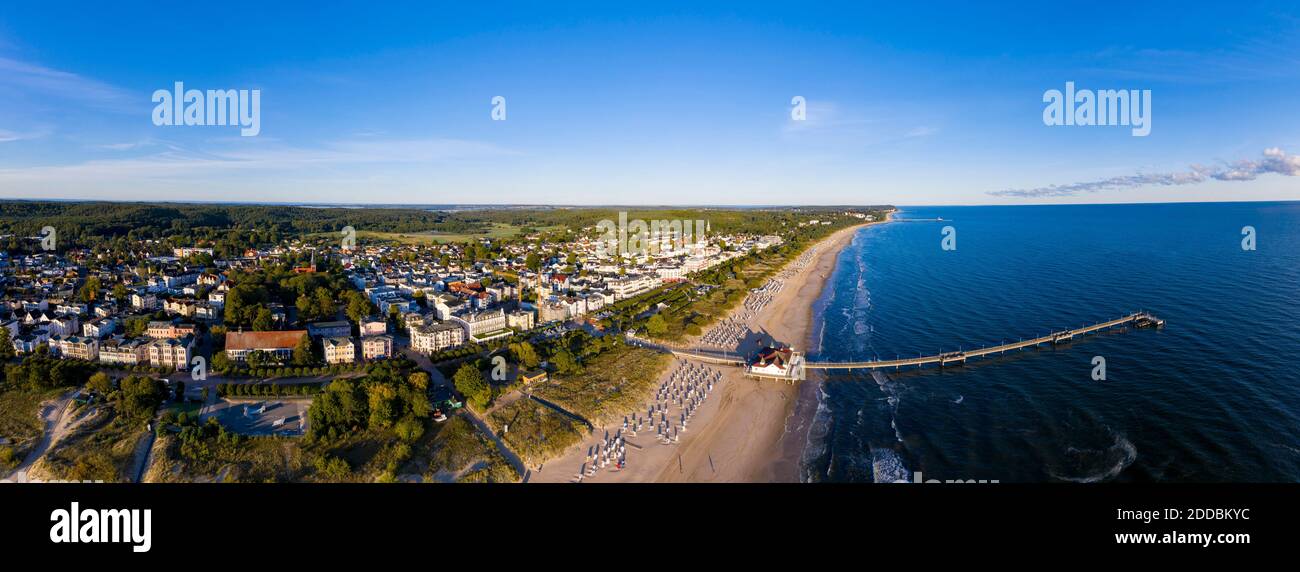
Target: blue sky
{"x":389,"y":103}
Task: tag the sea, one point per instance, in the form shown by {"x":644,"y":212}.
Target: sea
{"x":1213,"y":396}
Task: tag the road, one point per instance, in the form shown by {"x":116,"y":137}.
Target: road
{"x":436,"y":378}
{"x":144,"y":453}
{"x":55,"y":428}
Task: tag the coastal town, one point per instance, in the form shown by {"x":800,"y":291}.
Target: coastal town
{"x":179,"y":357}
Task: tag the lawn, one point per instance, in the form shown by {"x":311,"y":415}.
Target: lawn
{"x":613,"y":384}
{"x":494,"y":231}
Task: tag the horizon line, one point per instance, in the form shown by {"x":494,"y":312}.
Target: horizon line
{"x":467,"y":206}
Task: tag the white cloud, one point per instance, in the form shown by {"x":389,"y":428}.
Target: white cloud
{"x":175,"y":162}
{"x":921,"y":131}
{"x":48,"y":82}
{"x":1274,"y":161}
{"x":822,"y":116}
{"x":7,"y":136}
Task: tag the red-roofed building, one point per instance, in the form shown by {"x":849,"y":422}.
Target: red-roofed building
{"x":777,"y":362}
{"x":279,"y":344}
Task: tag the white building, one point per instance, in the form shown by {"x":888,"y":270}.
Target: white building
{"x":123,"y":352}
{"x":436,"y":337}
{"x":482,"y":324}
{"x":171,"y":353}
{"x":377,"y":347}
{"x":520,"y":320}
{"x":339,"y":350}
{"x":76,"y":347}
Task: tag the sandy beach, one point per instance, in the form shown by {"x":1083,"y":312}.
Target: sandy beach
{"x":740,"y":432}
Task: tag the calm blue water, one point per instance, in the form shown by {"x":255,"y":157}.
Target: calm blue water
{"x":1214,"y":396}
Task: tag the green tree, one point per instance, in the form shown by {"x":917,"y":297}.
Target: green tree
{"x":325,"y":304}
{"x":100,"y":383}
{"x":7,"y":351}
{"x":525,"y":354}
{"x":139,"y":396}
{"x":136,"y":326}
{"x":263,"y":321}
{"x":382,"y":400}
{"x":419,"y":380}
{"x":358,"y":306}
{"x":306,"y":307}
{"x":333,"y":469}
{"x":257,"y":359}
{"x":565,"y":362}
{"x":220,"y":361}
{"x":469,"y":382}
{"x":304,"y":353}
{"x":90,"y":290}
{"x":656,"y":325}
{"x":409,"y":429}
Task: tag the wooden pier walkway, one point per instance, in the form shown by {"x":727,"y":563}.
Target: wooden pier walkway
{"x":1137,"y":319}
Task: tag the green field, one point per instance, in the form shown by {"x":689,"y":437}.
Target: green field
{"x":497,"y":230}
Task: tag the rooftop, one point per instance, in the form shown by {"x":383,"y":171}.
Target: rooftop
{"x":261,"y":340}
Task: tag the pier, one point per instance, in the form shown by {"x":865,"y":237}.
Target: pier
{"x":1139,"y":319}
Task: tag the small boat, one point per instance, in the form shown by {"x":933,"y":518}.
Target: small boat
{"x":439,"y":416}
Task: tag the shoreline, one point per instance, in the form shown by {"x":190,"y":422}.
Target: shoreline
{"x":747,"y":430}
{"x":786,"y":463}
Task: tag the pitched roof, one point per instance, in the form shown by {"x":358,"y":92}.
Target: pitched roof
{"x":779,"y":357}
{"x":286,"y":339}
